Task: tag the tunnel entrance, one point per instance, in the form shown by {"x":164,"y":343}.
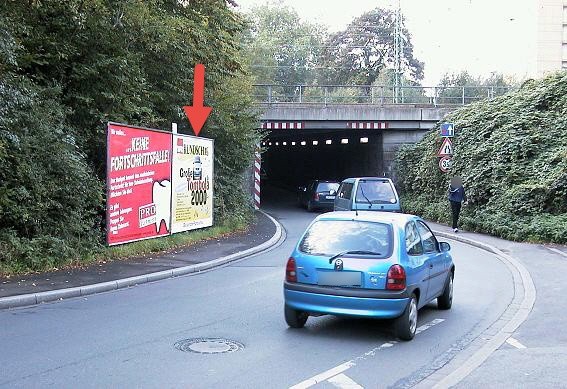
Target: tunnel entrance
{"x":292,"y":158}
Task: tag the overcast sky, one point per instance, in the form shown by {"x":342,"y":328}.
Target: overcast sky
{"x":480,"y":36}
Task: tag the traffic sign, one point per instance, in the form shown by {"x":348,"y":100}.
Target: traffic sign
{"x":447,"y":130}
{"x":446,"y":148}
{"x":445,"y":164}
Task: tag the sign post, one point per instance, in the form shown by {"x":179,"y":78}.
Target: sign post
{"x":445,"y":164}
{"x":446,"y":149}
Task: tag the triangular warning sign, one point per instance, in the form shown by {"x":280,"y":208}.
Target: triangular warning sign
{"x":446,"y":148}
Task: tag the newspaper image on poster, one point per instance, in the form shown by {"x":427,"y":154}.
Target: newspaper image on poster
{"x":192,"y":183}
{"x":138,"y":183}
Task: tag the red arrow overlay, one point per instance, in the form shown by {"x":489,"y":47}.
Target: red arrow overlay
{"x":198,"y":113}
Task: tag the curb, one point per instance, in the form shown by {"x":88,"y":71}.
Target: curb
{"x":85,"y":290}
{"x":518,"y":311}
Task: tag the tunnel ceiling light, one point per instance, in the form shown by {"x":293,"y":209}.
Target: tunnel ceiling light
{"x":277,"y":143}
{"x":328,"y":142}
{"x":293,"y":143}
{"x":303,"y":143}
{"x":364,"y":140}
{"x":263,"y":143}
{"x":344,"y":141}
{"x":269,"y":144}
{"x":315,"y":142}
{"x":284,"y":143}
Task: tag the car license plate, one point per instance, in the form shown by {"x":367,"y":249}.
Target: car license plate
{"x":330,"y":197}
{"x":339,"y":278}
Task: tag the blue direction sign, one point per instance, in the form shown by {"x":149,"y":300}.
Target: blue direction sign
{"x":447,"y":130}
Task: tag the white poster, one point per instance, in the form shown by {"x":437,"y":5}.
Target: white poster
{"x":192,"y":183}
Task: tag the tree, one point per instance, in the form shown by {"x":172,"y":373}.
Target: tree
{"x":462,"y":87}
{"x":282,"y":49}
{"x":67,"y":67}
{"x":49,"y":198}
{"x":359,"y":53}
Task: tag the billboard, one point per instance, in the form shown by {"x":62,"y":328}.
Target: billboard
{"x":192,"y":183}
{"x":138,"y":183}
{"x":158,"y":183}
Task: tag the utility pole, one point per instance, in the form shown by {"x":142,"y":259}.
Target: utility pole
{"x":398,"y":55}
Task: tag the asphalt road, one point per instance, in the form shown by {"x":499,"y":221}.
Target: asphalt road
{"x":126,"y":338}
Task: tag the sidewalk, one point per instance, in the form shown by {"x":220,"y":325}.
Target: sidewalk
{"x":531,"y":352}
{"x":262,"y":231}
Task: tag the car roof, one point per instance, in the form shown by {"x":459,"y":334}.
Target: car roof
{"x":398,"y":219}
{"x":367,"y":178}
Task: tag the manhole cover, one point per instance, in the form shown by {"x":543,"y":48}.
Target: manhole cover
{"x":208,"y":345}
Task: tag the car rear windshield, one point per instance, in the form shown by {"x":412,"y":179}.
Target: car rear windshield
{"x":375,"y":192}
{"x":327,"y":186}
{"x":330,"y":237}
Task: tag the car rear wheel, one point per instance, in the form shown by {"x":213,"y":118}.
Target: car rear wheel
{"x":445,"y":301}
{"x":406,"y":325}
{"x":295,"y":318}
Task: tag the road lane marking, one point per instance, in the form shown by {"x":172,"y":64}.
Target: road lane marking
{"x":557,"y":251}
{"x":324,"y":376}
{"x":428,"y":325}
{"x":514,"y":342}
{"x":343,"y":381}
{"x":335,"y":371}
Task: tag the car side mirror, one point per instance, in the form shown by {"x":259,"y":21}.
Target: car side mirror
{"x":444,"y":247}
{"x":332,"y":192}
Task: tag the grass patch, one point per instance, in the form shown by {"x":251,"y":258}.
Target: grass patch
{"x":134,"y":249}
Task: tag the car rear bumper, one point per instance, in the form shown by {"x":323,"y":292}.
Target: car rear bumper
{"x":359,"y":303}
{"x":323,"y":203}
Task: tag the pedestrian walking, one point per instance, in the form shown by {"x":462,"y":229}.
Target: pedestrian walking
{"x":457,"y":196}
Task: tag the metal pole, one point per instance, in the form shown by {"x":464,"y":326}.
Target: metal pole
{"x":463,"y":100}
{"x":435,"y":96}
{"x":326,"y":95}
{"x":269,"y":94}
{"x":371,"y":95}
{"x":300,"y":97}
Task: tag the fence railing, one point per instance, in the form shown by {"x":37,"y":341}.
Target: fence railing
{"x":374,"y":95}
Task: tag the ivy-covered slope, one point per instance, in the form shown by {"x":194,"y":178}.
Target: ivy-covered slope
{"x":512,"y":155}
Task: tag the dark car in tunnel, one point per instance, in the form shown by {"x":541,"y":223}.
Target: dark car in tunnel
{"x":367,"y":194}
{"x":318,"y":194}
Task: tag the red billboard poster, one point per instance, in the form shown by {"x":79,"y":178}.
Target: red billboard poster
{"x":138,"y":178}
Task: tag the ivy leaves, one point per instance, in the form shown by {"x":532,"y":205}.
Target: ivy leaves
{"x":512,"y":155}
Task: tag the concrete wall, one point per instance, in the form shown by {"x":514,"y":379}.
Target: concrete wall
{"x":294,"y":165}
{"x":311,"y":112}
{"x":392,"y":140}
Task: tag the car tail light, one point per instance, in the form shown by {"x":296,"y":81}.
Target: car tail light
{"x":316,"y":197}
{"x":290,"y":271}
{"x":396,"y":279}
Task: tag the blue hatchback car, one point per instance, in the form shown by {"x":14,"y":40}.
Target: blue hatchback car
{"x":369,"y":194}
{"x":368,"y":264}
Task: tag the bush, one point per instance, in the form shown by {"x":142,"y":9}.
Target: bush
{"x":66,"y":69}
{"x":512,"y":155}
